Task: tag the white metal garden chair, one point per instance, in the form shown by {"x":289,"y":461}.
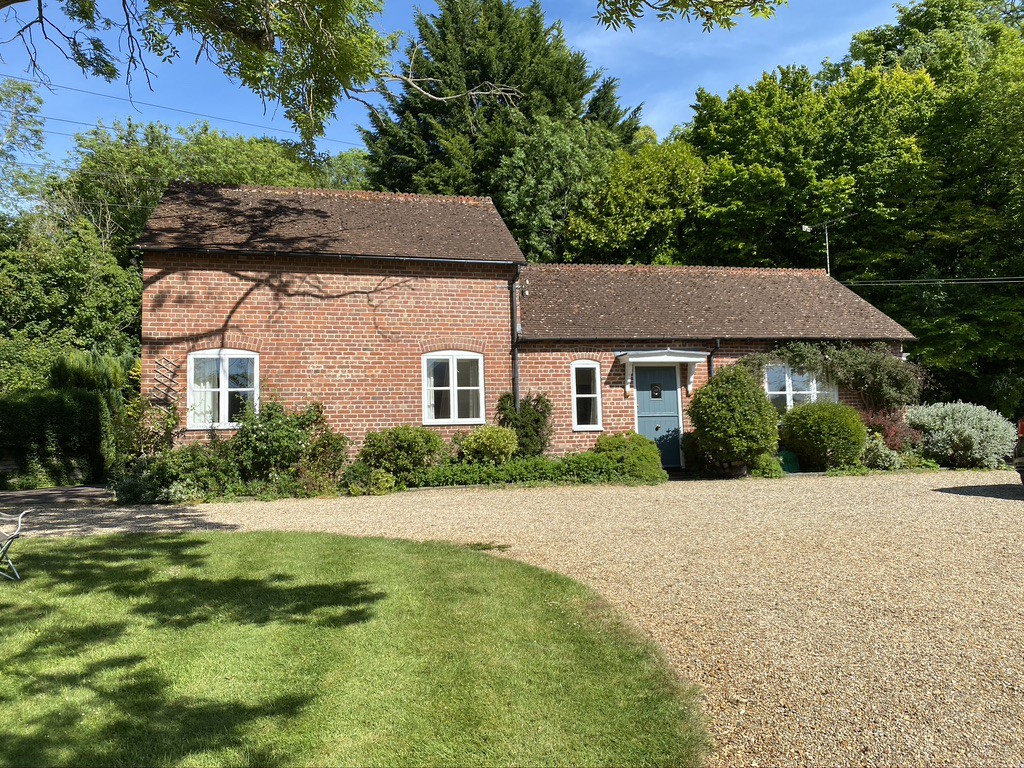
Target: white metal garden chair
{"x":10,"y":531}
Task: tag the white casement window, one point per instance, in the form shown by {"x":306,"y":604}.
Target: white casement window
{"x":453,"y":388}
{"x":586,"y":396}
{"x":221,"y":383}
{"x":788,"y":388}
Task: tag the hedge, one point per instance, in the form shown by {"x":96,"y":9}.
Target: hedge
{"x":56,"y":437}
{"x":824,"y":435}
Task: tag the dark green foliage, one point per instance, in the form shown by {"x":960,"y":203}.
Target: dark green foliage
{"x":501,"y":107}
{"x":824,"y":435}
{"x":403,"y":451}
{"x":453,"y":145}
{"x":184,"y":475}
{"x":360,"y":479}
{"x":275,"y":452}
{"x":273,"y":440}
{"x":520,"y":470}
{"x":321,"y":467}
{"x":767,"y":465}
{"x":693,"y":459}
{"x":624,"y":459}
{"x":532,"y":422}
{"x":489,"y":445}
{"x":92,"y":370}
{"x":734,"y":420}
{"x":56,"y":437}
{"x":882,"y":380}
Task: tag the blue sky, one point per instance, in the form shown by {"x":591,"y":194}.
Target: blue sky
{"x":659,"y":63}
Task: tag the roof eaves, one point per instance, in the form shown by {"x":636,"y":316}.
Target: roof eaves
{"x":186,"y":250}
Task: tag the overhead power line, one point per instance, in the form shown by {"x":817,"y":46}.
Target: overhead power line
{"x":135,"y":102}
{"x":939,"y":281}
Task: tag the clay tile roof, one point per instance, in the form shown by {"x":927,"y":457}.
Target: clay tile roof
{"x":577,"y":302}
{"x":329,"y":222}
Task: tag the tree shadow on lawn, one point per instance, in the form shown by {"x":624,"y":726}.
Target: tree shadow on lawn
{"x":162,"y":578}
{"x":85,"y":693}
{"x":121,"y":710}
{"x":1007,"y":491}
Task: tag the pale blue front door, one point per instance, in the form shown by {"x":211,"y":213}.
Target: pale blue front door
{"x":657,"y":409}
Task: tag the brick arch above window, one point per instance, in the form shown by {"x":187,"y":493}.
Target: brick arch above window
{"x":588,"y":353}
{"x":227,"y":340}
{"x":444,"y":343}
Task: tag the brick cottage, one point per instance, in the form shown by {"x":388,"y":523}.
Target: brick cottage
{"x":404,"y":309}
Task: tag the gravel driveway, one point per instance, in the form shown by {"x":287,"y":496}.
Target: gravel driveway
{"x":830,"y":621}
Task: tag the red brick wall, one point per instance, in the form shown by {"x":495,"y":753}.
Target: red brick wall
{"x":349,"y":334}
{"x":545,"y":367}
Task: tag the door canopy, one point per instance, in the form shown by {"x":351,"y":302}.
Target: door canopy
{"x":630,"y":358}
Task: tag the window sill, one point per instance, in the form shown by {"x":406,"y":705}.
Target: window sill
{"x":455,"y":423}
{"x":597,"y":428}
{"x":208,"y":427}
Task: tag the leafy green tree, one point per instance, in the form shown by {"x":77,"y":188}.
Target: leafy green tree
{"x":637,"y":214}
{"x":911,"y":147}
{"x":546,"y":177}
{"x":711,"y":13}
{"x":21,"y":140}
{"x":431,"y":137}
{"x":302,"y":55}
{"x":119,"y":174}
{"x":346,"y":170}
{"x":60,"y":288}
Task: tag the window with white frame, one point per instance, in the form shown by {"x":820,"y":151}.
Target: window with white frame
{"x":453,"y":388}
{"x":788,"y":388}
{"x":586,"y":395}
{"x":221,"y":383}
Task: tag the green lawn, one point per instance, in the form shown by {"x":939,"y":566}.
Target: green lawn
{"x":306,"y":649}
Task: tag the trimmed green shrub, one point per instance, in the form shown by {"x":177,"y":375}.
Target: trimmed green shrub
{"x":531,"y":422}
{"x":630,"y":457}
{"x":576,"y":468}
{"x":963,"y":435}
{"x":767,"y":465}
{"x":627,"y":458}
{"x":526,"y":469}
{"x":56,"y":437}
{"x":824,"y":435}
{"x":403,"y":451}
{"x":734,"y":420}
{"x":878,"y":455}
{"x":489,"y":445}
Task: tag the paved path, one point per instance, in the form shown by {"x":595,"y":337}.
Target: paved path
{"x":838,"y":621}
